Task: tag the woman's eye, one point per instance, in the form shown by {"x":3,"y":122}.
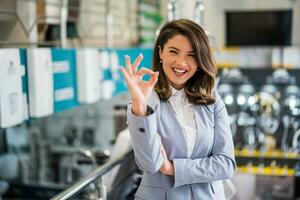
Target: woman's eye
{"x":192,"y":55}
{"x":173,"y":52}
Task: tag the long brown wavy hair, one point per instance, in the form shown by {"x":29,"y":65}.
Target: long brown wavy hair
{"x":199,"y":87}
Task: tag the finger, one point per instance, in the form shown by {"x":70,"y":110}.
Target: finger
{"x":160,"y":142}
{"x":164,"y":154}
{"x":158,"y":136}
{"x":125,"y":74}
{"x":137,"y":62}
{"x":162,"y":149}
{"x":154,"y":78}
{"x":128,"y":65}
{"x":144,"y":71}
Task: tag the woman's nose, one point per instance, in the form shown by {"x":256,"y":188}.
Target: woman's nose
{"x":182,"y":61}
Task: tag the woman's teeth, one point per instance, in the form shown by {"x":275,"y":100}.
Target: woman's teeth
{"x":179,"y":70}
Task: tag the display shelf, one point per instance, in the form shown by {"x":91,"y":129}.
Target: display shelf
{"x":276,"y":154}
{"x":266,"y":171}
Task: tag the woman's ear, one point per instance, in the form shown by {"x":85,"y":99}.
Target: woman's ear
{"x":160,"y":52}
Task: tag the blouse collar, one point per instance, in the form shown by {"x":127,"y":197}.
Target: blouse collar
{"x":176,"y":92}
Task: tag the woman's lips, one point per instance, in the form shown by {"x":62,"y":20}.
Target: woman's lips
{"x":179,"y":72}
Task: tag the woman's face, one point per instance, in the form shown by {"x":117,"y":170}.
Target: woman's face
{"x":179,"y":63}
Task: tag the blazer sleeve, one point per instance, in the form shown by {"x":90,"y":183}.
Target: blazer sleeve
{"x":144,"y":138}
{"x":220,"y":164}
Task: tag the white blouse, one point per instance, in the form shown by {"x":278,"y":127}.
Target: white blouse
{"x":185,"y":115}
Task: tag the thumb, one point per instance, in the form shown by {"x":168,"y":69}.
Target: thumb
{"x":154,"y":78}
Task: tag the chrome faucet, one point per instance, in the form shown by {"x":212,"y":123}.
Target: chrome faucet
{"x":173,"y":10}
{"x":199,"y":9}
{"x":199,"y":12}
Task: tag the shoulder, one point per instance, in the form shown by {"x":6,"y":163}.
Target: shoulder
{"x":217,"y":105}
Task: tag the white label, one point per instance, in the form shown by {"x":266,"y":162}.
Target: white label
{"x":61,"y":67}
{"x":64,"y":94}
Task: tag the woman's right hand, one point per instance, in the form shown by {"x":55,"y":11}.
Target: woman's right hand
{"x":139,"y":89}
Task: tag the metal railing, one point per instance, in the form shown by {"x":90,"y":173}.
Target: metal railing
{"x":77,"y":187}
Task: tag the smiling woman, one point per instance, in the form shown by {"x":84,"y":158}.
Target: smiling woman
{"x":179,"y":126}
{"x":186,"y":44}
{"x":178,"y":60}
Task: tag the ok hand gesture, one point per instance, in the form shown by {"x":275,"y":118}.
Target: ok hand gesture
{"x":139,"y":89}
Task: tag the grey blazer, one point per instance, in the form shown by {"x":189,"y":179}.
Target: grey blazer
{"x":199,"y":177}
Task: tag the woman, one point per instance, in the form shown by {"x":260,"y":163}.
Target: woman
{"x":179,"y":126}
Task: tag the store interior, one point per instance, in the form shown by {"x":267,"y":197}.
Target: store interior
{"x":63,"y":99}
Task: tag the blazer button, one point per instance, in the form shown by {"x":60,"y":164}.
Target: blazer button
{"x":142,"y":130}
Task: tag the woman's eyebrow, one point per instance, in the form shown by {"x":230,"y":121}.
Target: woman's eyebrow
{"x":174,"y":48}
{"x":189,"y":52}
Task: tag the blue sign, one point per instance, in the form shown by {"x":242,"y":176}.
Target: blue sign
{"x":64,"y":76}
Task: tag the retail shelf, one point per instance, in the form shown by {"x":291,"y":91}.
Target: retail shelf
{"x":268,"y":154}
{"x":267,"y":171}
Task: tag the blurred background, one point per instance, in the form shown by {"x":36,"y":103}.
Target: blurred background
{"x":63,"y":100}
